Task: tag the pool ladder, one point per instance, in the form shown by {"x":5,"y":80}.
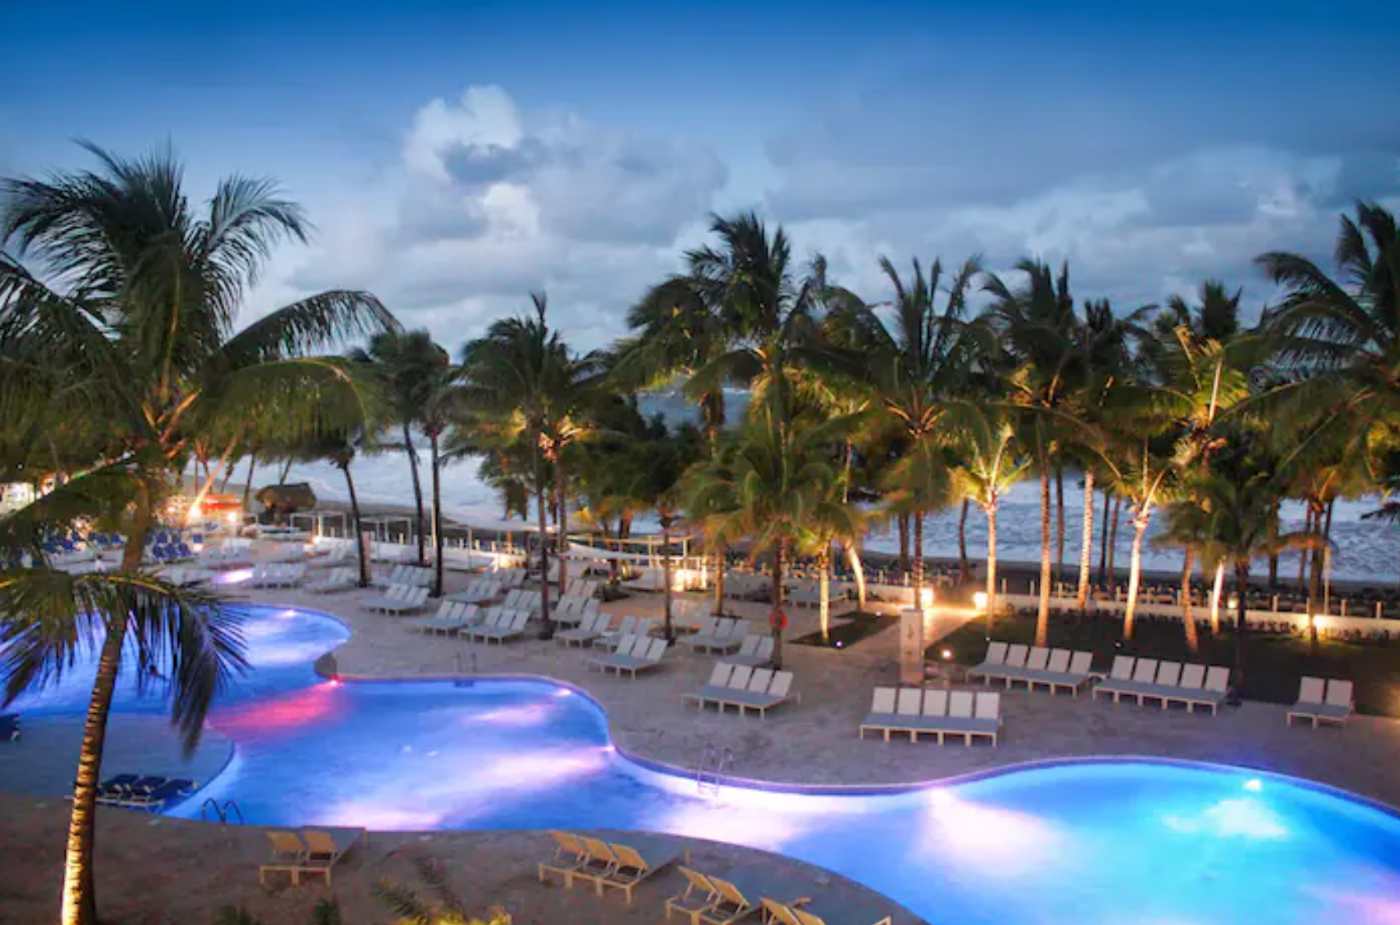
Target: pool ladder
{"x":714,"y":761}
{"x":221,"y":812}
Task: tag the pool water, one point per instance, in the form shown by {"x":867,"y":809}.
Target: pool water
{"x":1095,"y":842}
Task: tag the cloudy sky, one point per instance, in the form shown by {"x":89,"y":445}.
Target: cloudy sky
{"x":455,"y":156}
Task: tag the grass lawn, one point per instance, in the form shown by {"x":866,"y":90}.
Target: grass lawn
{"x":1273,"y":662}
{"x":846,"y":630}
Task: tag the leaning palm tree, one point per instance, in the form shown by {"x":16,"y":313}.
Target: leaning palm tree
{"x":764,"y":484}
{"x":523,"y":378}
{"x":123,"y":336}
{"x":407,"y":366}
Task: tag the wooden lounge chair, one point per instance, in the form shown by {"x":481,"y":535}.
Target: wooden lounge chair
{"x":569,"y":855}
{"x":730,"y":905}
{"x":325,"y":847}
{"x":598,"y":862}
{"x":631,"y":869}
{"x":288,"y":855}
{"x":698,"y":896}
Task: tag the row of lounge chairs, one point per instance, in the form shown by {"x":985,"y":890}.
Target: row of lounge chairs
{"x":718,"y":635}
{"x":1053,"y":668}
{"x":337,"y":579}
{"x":571,"y":609}
{"x":630,"y":626}
{"x":521,"y":599}
{"x":1322,"y":700}
{"x":604,"y":865}
{"x":277,"y":575}
{"x":399,"y":599}
{"x":232,"y":553}
{"x":746,"y":688}
{"x":479,"y":591}
{"x":1147,"y":679}
{"x":134,"y":791}
{"x":498,"y":624}
{"x":307,"y":851}
{"x":589,"y":628}
{"x":633,"y":654}
{"x":755,"y":651}
{"x":412,"y":575}
{"x":451,"y":618}
{"x":936,"y":712}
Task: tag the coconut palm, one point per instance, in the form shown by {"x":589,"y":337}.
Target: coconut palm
{"x":764,"y":484}
{"x":522,"y":377}
{"x":990,"y":465}
{"x":1045,"y":366}
{"x":127,"y":326}
{"x":915,"y":365}
{"x":407,"y":366}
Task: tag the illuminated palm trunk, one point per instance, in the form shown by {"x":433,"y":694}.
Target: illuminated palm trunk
{"x":779,"y":555}
{"x":858,"y":570}
{"x":1140,"y":521}
{"x":1215,"y":598}
{"x":991,"y":511}
{"x":562,"y":487}
{"x":1192,"y":643}
{"x":1086,"y":542}
{"x":666,"y":574}
{"x":1042,"y":615}
{"x":824,"y":593}
{"x":919,"y":560}
{"x":79,"y":906}
{"x":719,"y":579}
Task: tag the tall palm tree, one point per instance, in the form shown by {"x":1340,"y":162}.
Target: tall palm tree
{"x":991,"y":465}
{"x":916,"y":364}
{"x":764,"y":484}
{"x":1039,"y":331}
{"x":523,"y":376}
{"x":407,"y":366}
{"x":129,"y":328}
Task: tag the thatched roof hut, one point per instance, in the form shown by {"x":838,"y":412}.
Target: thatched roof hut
{"x":281,"y":500}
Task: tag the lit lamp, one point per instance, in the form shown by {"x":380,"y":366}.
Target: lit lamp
{"x":926,"y":598}
{"x":979,"y":600}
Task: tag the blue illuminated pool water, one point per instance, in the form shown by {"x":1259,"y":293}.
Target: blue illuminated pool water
{"x":1111,"y":842}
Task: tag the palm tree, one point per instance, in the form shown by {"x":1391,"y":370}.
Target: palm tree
{"x":991,"y":465}
{"x":407,"y":366}
{"x":764,"y":484}
{"x":1039,"y":331}
{"x":915,"y":366}
{"x":523,"y":376}
{"x":132,"y":335}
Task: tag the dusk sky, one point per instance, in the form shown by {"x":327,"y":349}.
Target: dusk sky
{"x":455,"y":156}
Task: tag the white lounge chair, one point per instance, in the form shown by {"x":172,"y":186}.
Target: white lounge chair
{"x":1335,"y":706}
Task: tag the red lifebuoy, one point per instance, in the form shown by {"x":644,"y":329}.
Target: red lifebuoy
{"x":777,"y":618}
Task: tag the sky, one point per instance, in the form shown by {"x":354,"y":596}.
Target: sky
{"x":454,"y":156}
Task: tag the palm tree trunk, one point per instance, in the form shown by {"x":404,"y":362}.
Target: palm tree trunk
{"x":1140,"y":521}
{"x":777,"y":617}
{"x":562,"y":484}
{"x":79,"y":906}
{"x":1086,"y":542}
{"x":904,"y":543}
{"x":1216,"y":588}
{"x":666,"y":573}
{"x":1187,"y":618}
{"x":1103,"y":542}
{"x":1059,"y":523}
{"x":248,"y":485}
{"x":991,"y":512}
{"x":543,"y":508}
{"x":363,"y":554}
{"x":963,"y":570}
{"x":1273,"y":560}
{"x":1113,"y":541}
{"x":1314,"y":578}
{"x":1241,"y":611}
{"x":1042,"y":614}
{"x":412,"y":452}
{"x":858,"y":570}
{"x":437,"y":515}
{"x":720,"y":563}
{"x":824,"y":594}
{"x":919,"y":560}
{"x":1304,"y":553}
{"x":286,"y":471}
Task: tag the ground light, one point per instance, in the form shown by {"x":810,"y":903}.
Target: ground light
{"x":979,"y":600}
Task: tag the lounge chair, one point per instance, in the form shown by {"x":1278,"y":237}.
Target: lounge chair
{"x":288,"y":855}
{"x":598,"y":861}
{"x":727,"y":636}
{"x":631,"y":869}
{"x":414,"y":599}
{"x":569,"y":855}
{"x":338,"y":579}
{"x":1128,"y":677}
{"x":798,"y":912}
{"x":882,"y":716}
{"x":996,"y":657}
{"x":1070,"y":670}
{"x":754,"y":651}
{"x":731,"y":905}
{"x":325,"y":847}
{"x":1335,"y":706}
{"x":589,"y":628}
{"x":510,"y":625}
{"x":634,"y":654}
{"x":698,"y":896}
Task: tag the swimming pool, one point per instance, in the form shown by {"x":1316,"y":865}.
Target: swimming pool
{"x":1101,"y":842}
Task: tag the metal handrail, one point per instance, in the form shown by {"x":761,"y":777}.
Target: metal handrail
{"x":231,"y":805}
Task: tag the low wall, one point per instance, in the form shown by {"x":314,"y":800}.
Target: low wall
{"x":1327,"y":624}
